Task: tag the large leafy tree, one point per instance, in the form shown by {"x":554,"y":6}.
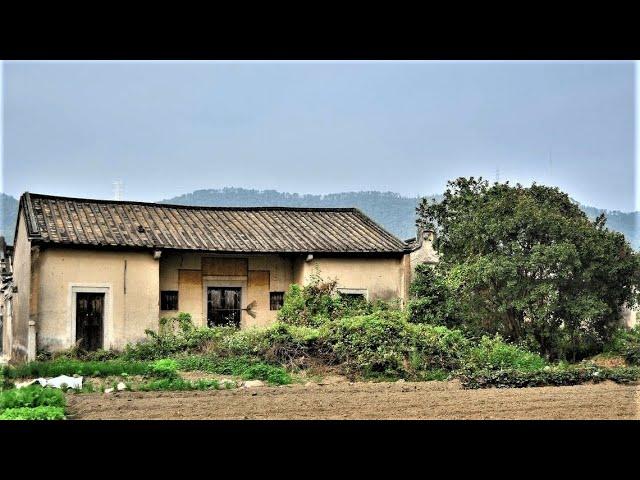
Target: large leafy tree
{"x":526,"y":262}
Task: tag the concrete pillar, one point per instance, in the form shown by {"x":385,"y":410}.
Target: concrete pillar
{"x":31,"y":341}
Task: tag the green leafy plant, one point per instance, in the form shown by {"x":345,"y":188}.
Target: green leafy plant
{"x":31,"y":396}
{"x":165,"y":368}
{"x":493,"y":353}
{"x":626,"y":343}
{"x":36,"y":413}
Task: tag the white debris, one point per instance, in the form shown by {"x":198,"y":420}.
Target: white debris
{"x":57,"y":382}
{"x":253,"y":383}
{"x":121,"y":386}
{"x":108,"y":390}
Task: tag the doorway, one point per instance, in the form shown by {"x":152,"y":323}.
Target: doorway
{"x":89,"y":320}
{"x":223,"y":306}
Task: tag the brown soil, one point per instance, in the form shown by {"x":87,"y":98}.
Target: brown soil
{"x":344,"y":400}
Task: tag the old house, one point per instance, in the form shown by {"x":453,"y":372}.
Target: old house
{"x":100,"y":273}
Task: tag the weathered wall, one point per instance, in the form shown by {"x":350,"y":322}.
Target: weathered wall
{"x":20,"y":301}
{"x":425,"y":254}
{"x":629,"y":317}
{"x":257,"y":275}
{"x":384,"y":278}
{"x":127,"y":314}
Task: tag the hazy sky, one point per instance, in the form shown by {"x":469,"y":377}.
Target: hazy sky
{"x":167,"y":128}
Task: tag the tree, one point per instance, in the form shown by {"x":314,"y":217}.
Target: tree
{"x":527,"y":263}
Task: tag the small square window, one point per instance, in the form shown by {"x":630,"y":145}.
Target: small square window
{"x":276,"y":300}
{"x":169,"y":300}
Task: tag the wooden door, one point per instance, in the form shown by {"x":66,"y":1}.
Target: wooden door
{"x":223,"y":306}
{"x":89,"y":320}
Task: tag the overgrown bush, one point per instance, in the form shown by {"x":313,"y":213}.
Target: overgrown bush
{"x":37,"y":413}
{"x":281,"y":343}
{"x":437,"y":348}
{"x":432,"y":299}
{"x":176,"y":335}
{"x":319,"y":302}
{"x":493,"y":353}
{"x":311,"y":305}
{"x":370,"y":344}
{"x":626,"y":343}
{"x":77,"y":353}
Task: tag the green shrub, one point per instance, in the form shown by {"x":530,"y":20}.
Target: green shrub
{"x":437,"y":348}
{"x":37,"y":413}
{"x":176,"y":335}
{"x":431,"y":299}
{"x":31,"y":396}
{"x":626,"y":343}
{"x":165,"y":368}
{"x":319,"y":302}
{"x":68,"y":367}
{"x":369,"y":344}
{"x":550,"y":376}
{"x":269,"y":373}
{"x":493,"y":353}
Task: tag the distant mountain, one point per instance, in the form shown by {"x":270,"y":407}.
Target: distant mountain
{"x":8,"y":216}
{"x":393,"y":211}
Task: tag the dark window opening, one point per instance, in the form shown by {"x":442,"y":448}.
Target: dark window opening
{"x":223,"y":306}
{"x":276,"y":300}
{"x":353,"y":298}
{"x":169,"y":300}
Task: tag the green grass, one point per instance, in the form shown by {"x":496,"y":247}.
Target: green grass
{"x":178,"y":384}
{"x":243,"y":367}
{"x":36,"y":413}
{"x":77,"y":367}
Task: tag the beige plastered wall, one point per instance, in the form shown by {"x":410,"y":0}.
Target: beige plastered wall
{"x":128,"y":279}
{"x":383,"y":278}
{"x":16,"y":336}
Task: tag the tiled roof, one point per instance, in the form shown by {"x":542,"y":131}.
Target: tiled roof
{"x":79,"y":221}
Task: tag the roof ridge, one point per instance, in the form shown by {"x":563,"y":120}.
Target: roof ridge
{"x":203,"y":207}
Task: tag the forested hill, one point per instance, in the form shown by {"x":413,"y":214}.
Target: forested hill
{"x":393,"y":211}
{"x":9,"y":212}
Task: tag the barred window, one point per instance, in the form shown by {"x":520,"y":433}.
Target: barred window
{"x":169,"y":300}
{"x":276,"y":300}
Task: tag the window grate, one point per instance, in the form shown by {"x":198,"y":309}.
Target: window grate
{"x":169,"y":300}
{"x":276,"y":300}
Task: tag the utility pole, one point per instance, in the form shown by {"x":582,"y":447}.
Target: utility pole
{"x":117,"y":190}
{"x":497,"y":174}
